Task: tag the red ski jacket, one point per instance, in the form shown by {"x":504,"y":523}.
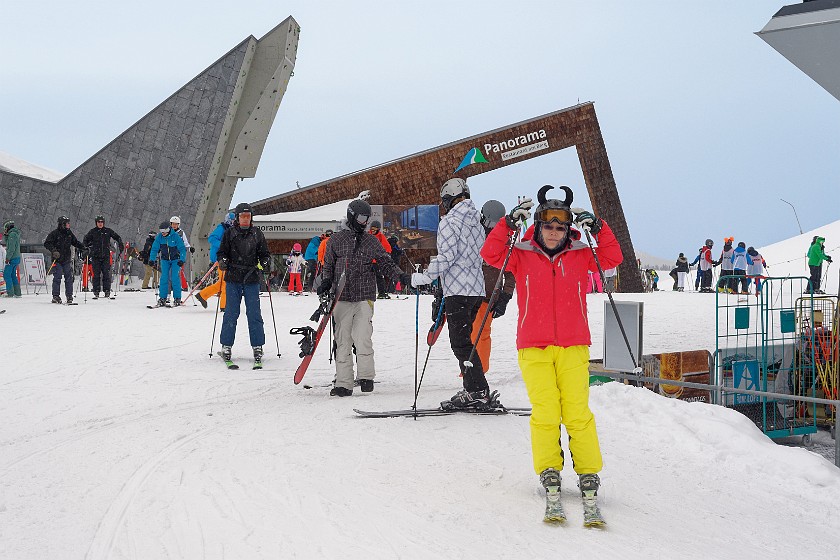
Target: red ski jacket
{"x":551,"y":292}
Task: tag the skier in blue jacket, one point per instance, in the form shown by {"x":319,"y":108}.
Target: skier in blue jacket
{"x":172,"y":252}
{"x":311,"y":258}
{"x":217,"y":288}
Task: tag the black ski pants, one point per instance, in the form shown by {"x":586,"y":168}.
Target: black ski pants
{"x":101,"y":273}
{"x":706,"y":282}
{"x":816,"y":277}
{"x":380,"y":280}
{"x":460,"y":315}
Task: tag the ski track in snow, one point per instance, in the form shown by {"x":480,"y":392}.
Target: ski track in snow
{"x":140,"y":446}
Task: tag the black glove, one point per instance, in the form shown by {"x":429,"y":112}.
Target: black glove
{"x":192,"y":249}
{"x":405,"y":279}
{"x":180,"y":263}
{"x":324,"y":287}
{"x":501,"y":304}
{"x":223,"y":263}
{"x":828,"y":258}
{"x":588,"y":220}
{"x":56,"y":255}
{"x":436,"y":303}
{"x":152,"y":264}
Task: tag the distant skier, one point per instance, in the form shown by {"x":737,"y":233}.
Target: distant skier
{"x":376,"y":231}
{"x":756,"y":268}
{"x":311,"y":258}
{"x":244,"y":256}
{"x":740,"y":260}
{"x":295,"y":264}
{"x":98,"y":242}
{"x":816,"y":256}
{"x":175,"y":223}
{"x":458,"y":265}
{"x":352,"y":252}
{"x":682,"y":272}
{"x":553,"y":337}
{"x":168,"y":249}
{"x":12,"y":259}
{"x":217,"y":288}
{"x":707,"y":265}
{"x":59,"y":242}
{"x":726,"y":268}
{"x":150,"y":272}
{"x":699,"y":275}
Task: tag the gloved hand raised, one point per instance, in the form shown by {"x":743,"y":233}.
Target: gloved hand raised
{"x":420,"y":279}
{"x":586,"y":220}
{"x":501,"y":304}
{"x":180,"y":263}
{"x":520,"y":213}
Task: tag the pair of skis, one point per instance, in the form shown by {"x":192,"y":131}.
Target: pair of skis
{"x":309,"y":343}
{"x":230,"y":364}
{"x":556,"y":515}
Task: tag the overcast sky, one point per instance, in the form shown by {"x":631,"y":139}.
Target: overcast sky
{"x":706,"y":126}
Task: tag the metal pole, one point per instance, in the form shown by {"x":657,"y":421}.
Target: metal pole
{"x":794,"y":214}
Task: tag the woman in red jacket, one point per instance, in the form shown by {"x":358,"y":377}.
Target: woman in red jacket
{"x":553,"y":339}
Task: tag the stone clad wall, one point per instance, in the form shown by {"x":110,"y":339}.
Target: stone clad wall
{"x":417,"y":179}
{"x":155,"y":169}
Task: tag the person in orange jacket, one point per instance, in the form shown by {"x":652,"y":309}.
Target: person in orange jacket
{"x":376,"y":231}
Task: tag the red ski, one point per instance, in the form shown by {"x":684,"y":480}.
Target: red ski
{"x":311,"y":337}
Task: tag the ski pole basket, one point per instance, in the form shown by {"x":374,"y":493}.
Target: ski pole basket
{"x":765,"y":342}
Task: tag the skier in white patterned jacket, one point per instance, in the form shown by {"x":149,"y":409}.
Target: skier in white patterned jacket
{"x":460,"y":237}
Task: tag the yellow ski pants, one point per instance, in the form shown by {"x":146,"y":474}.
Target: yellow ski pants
{"x":557,"y":380}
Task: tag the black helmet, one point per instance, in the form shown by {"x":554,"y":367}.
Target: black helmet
{"x":491,"y":213}
{"x":328,"y":232}
{"x":164,"y":226}
{"x":99,"y":218}
{"x":8,"y":225}
{"x":452,"y":190}
{"x":376,"y":224}
{"x":751,"y":251}
{"x":358,"y":214}
{"x":62,"y":220}
{"x":243,"y":207}
{"x":393,"y":240}
{"x":709,"y":243}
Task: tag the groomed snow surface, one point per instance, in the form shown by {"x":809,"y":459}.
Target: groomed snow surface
{"x":121,"y":438}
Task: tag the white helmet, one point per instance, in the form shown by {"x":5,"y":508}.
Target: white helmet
{"x":175,"y":220}
{"x":453,"y":189}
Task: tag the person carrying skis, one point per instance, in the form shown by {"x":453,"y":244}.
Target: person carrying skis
{"x":681,"y":267}
{"x":243,"y":255}
{"x":491,"y":212}
{"x":816,"y":256}
{"x":98,"y":242}
{"x":12,"y":259}
{"x":59,"y":243}
{"x":151,"y":273}
{"x":218,"y":287}
{"x":351,"y":252}
{"x":294,"y":264}
{"x":169,"y":249}
{"x":553,"y":336}
{"x":707,"y":264}
{"x":458,"y":265}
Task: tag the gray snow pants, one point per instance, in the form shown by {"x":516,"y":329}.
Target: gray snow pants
{"x":353,"y":327}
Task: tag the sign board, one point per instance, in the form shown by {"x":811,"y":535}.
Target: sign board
{"x":34,"y":271}
{"x":616,"y":356}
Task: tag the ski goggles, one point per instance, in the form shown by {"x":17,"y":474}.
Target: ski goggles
{"x":362,"y":219}
{"x":560,"y":215}
{"x":164,"y":230}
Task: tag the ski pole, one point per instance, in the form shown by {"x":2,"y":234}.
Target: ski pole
{"x":200,"y":282}
{"x":416,"y":348}
{"x":84,"y":275}
{"x":430,"y":340}
{"x":495,"y":295}
{"x":636,"y":369}
{"x":271,"y":303}
{"x":215,"y":322}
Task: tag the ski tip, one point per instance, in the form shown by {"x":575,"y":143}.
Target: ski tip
{"x":601,"y":524}
{"x":554,"y":520}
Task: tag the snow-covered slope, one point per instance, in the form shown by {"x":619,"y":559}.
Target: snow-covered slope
{"x":787,"y":258}
{"x":15,"y":165}
{"x":122,"y":438}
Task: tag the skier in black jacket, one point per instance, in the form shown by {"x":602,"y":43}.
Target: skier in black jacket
{"x":98,"y":242}
{"x":151,"y":273}
{"x":243,"y":254}
{"x":59,"y":243}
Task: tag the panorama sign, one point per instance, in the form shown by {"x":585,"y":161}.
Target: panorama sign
{"x":518,"y":146}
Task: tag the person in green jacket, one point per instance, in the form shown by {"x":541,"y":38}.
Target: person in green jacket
{"x":12,"y":235}
{"x":816,"y":256}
